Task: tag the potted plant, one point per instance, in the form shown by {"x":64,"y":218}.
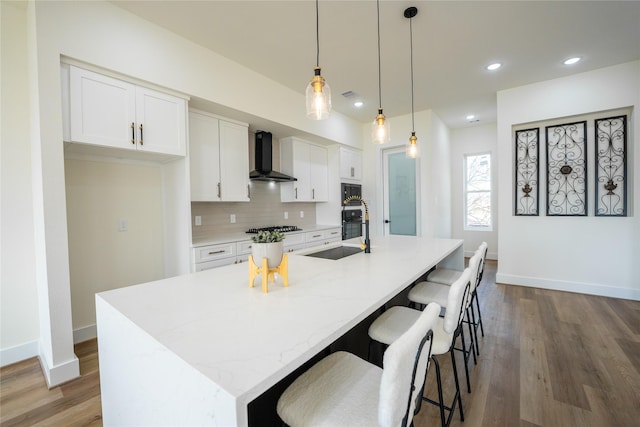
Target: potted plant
{"x":267,"y":244}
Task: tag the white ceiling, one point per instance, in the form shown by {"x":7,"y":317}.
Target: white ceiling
{"x":453,"y":41}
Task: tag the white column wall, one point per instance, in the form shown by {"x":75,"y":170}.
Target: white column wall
{"x":590,"y":254}
{"x":473,"y":140}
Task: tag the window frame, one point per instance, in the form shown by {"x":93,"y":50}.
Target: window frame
{"x":466,"y":192}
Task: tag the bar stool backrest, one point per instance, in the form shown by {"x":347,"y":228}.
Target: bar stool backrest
{"x":405,"y":368}
{"x":456,"y":302}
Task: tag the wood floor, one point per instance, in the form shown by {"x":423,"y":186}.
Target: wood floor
{"x":547,"y":359}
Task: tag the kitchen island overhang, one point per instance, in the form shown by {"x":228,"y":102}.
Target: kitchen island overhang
{"x":196,"y":349}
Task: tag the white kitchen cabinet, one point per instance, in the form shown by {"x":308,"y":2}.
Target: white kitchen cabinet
{"x":219,"y":159}
{"x":293,"y":242}
{"x":110,"y":112}
{"x":350,"y":164}
{"x":323,"y":237}
{"x":308,"y":163}
{"x":212,"y":256}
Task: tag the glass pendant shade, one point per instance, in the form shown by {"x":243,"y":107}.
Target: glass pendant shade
{"x":380,"y":129}
{"x":318,"y":97}
{"x":412,"y":147}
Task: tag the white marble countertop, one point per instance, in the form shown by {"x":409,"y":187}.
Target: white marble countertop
{"x":245,"y":341}
{"x":240,"y":235}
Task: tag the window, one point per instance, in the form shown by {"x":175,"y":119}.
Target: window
{"x":477,"y":192}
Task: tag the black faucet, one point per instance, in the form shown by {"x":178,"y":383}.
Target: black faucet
{"x":367,"y":242}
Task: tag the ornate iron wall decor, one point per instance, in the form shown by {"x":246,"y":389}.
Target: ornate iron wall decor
{"x":567,"y":169}
{"x":611,"y":166}
{"x":527,"y":172}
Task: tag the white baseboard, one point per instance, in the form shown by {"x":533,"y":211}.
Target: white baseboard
{"x":578,"y":287}
{"x":60,"y":373}
{"x":85,"y":333}
{"x":9,"y":356}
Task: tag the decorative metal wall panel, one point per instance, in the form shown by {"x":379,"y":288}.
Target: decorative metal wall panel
{"x":567,"y":169}
{"x":527,"y":172}
{"x":611,"y":166}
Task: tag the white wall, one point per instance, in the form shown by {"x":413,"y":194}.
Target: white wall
{"x":99,"y":195}
{"x":473,"y":140}
{"x":583,"y":254}
{"x":18,"y":295}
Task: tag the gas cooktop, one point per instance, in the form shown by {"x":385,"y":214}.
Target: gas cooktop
{"x":281,"y":228}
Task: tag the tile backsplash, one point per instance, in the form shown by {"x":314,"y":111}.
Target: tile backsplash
{"x":263,"y":210}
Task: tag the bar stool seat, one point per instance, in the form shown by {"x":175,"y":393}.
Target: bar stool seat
{"x":322,"y":397}
{"x":426,"y":292}
{"x":445,"y":276}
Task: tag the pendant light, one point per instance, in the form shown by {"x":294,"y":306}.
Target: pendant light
{"x":380,"y":132}
{"x":412,"y":147}
{"x":318,"y":93}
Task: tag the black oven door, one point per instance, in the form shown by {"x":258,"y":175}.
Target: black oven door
{"x":349,"y":190}
{"x":351,"y":223}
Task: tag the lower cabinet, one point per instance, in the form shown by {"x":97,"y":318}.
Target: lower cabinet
{"x":218,"y":255}
{"x":293,"y":242}
{"x":323,"y":237}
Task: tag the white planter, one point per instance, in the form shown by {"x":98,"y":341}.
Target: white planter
{"x":271,"y":251}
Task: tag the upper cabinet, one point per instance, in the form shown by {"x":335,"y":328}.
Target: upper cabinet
{"x":110,"y":112}
{"x":308,"y":163}
{"x":219,"y":159}
{"x":350,"y":164}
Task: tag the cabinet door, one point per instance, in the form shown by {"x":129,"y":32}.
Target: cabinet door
{"x":318,"y":174}
{"x":102,"y":109}
{"x":294,"y":160}
{"x":160,"y":122}
{"x":350,"y":164}
{"x":204,"y":157}
{"x":234,"y":162}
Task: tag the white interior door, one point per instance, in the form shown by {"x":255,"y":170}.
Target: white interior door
{"x":399,"y":192}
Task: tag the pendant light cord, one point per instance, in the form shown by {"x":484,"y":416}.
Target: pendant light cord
{"x":413,"y":126}
{"x":379,"y":67}
{"x":317,"y":36}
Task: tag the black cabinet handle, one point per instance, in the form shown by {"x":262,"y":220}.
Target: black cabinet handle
{"x":386,"y":221}
{"x":133,"y":133}
{"x":141,"y":137}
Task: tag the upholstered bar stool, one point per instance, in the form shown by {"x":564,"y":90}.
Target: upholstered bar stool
{"x":447,"y":277}
{"x":344,"y":390}
{"x":426,"y":292}
{"x":391,"y":324}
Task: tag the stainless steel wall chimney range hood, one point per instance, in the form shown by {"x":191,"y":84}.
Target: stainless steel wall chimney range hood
{"x":263,"y":170}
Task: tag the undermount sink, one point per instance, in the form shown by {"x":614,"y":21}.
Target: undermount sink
{"x":336,"y":253}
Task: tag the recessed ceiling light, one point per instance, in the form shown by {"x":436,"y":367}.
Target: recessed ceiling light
{"x":494,"y":66}
{"x":572,"y":61}
{"x":471,"y":117}
{"x":358,"y":104}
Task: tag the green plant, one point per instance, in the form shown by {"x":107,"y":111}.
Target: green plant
{"x":268,"y":237}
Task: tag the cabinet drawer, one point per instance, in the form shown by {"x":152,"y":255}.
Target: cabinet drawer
{"x":332,"y":235}
{"x":315,"y":237}
{"x":244,"y":247}
{"x":215,"y":263}
{"x":293,"y":240}
{"x":214,"y":252}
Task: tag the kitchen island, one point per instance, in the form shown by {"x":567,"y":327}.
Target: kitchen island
{"x":197,"y":349}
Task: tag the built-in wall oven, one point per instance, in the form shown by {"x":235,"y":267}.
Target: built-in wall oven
{"x":351,"y":223}
{"x":351,"y":212}
{"x":349,"y":190}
